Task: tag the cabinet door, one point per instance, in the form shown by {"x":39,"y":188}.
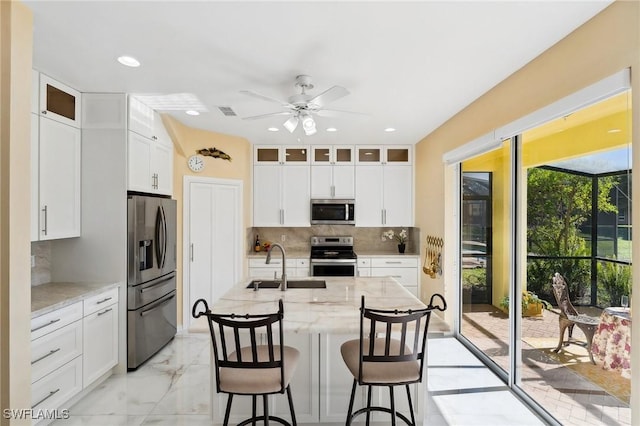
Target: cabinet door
{"x":321,"y":181}
{"x":295,"y":155}
{"x":59,"y":180}
{"x":266,"y":155}
{"x":398,"y":155}
{"x":100,"y":343}
{"x":266,"y":196}
{"x":162,"y":164}
{"x":344,"y":185}
{"x":59,"y":102}
{"x":369,"y":196}
{"x":295,"y":196}
{"x":369,"y":155}
{"x":141,"y":118}
{"x":35,"y":178}
{"x":321,"y":154}
{"x":398,"y":194}
{"x":304,"y":384}
{"x":140,"y":176}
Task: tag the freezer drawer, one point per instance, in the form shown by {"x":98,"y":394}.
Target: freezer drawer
{"x":143,"y":294}
{"x":149,"y":328}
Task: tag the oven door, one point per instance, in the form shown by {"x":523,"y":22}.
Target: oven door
{"x":333,"y":269}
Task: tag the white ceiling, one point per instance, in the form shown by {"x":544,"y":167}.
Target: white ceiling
{"x":408,"y":65}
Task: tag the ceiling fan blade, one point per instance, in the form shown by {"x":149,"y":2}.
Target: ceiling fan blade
{"x":291,"y":124}
{"x":271,"y":114}
{"x":337,"y":113}
{"x":266,"y":98}
{"x":329,"y":95}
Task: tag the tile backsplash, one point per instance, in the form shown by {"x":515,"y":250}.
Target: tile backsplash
{"x":41,"y":273}
{"x":365,"y":239}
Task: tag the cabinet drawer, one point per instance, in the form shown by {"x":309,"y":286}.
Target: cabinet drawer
{"x":55,"y":349}
{"x":364,"y":262}
{"x":275,"y":261}
{"x":405,"y":276}
{"x":55,"y":389}
{"x":301,"y":263}
{"x":100,"y":301}
{"x":398,"y":261}
{"x":54,"y":320}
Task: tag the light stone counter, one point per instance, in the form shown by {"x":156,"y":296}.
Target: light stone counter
{"x":334,"y":309}
{"x":51,"y":296}
{"x":388,"y":253}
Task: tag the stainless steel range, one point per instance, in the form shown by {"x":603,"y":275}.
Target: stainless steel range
{"x":333,"y":257}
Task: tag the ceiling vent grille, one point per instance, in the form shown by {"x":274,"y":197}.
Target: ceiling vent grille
{"x":227,"y":111}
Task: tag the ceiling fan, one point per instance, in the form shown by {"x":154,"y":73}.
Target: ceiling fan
{"x":301,"y":107}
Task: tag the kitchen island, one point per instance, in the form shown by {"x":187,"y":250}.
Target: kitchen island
{"x":316,"y":322}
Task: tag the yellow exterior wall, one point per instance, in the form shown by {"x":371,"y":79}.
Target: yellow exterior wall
{"x":187,"y":141}
{"x":601,"y":47}
{"x":16,"y":44}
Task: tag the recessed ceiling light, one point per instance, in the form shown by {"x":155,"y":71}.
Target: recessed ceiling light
{"x":389,"y":129}
{"x":273,"y":129}
{"x":614,"y":131}
{"x":192,"y":112}
{"x":129,"y":61}
{"x":331,"y":129}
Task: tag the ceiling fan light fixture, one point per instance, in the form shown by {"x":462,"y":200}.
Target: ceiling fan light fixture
{"x":291,"y":124}
{"x":308,"y":125}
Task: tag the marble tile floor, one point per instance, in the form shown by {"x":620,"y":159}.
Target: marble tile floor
{"x":173,"y":388}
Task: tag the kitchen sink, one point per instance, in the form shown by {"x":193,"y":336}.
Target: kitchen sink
{"x":290,"y":284}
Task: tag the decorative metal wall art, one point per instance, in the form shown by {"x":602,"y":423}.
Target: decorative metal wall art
{"x":432,"y":265}
{"x":215,"y":153}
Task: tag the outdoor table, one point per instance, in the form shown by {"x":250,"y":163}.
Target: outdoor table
{"x":612,"y":341}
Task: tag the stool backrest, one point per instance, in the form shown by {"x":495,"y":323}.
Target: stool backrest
{"x":236,"y":338}
{"x":404,"y":333}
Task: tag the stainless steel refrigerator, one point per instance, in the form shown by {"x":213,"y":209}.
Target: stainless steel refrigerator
{"x":151,"y":289}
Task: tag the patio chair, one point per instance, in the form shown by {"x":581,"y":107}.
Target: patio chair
{"x":569,"y":317}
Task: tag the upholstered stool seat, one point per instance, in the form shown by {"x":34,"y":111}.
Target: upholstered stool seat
{"x":380,"y":372}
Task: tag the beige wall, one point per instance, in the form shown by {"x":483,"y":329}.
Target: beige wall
{"x":16,"y":42}
{"x":187,"y":141}
{"x":603,"y":46}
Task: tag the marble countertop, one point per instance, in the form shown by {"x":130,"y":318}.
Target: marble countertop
{"x":305,"y":254}
{"x":51,"y":296}
{"x":387,"y":253}
{"x":290,"y":254}
{"x":334,"y":309}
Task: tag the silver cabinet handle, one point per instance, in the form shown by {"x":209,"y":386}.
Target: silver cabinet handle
{"x":51,"y":393}
{"x":389,"y":262}
{"x":382,"y":216}
{"x":191,"y":249}
{"x":45,"y":356}
{"x":104,"y":312}
{"x":103,"y":300}
{"x":44,"y":230}
{"x":281,"y":216}
{"x":45,"y":325}
{"x":384,"y":213}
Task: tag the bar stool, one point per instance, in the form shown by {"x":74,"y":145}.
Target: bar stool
{"x":244,"y":366}
{"x":392,"y":354}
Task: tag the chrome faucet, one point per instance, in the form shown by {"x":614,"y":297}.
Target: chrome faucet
{"x":283,"y":283}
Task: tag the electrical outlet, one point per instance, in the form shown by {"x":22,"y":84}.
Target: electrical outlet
{"x":283,"y":238}
{"x":33,"y":261}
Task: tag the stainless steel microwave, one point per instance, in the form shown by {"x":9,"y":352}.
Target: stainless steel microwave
{"x":333,"y":212}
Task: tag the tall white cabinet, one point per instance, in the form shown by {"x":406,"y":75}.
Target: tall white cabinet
{"x":55,"y":160}
{"x":332,"y":172}
{"x":150,"y":151}
{"x":384,"y":186}
{"x":281,"y":186}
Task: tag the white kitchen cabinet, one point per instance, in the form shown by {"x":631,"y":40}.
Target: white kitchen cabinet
{"x":54,"y":390}
{"x":59,"y":102}
{"x":58,"y":180}
{"x":150,"y":151}
{"x":332,"y":172}
{"x":296,"y":267}
{"x":100,"y":341}
{"x":281,"y":195}
{"x":278,"y":154}
{"x":384,"y":195}
{"x":403,"y":268}
{"x":384,"y":154}
{"x":35,"y":177}
{"x":332,"y":155}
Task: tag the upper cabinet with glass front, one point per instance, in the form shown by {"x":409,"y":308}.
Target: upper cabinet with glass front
{"x":59,"y":102}
{"x":384,"y":154}
{"x":332,"y":155}
{"x":284,"y":155}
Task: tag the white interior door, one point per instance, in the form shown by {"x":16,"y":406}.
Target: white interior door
{"x":212,"y":237}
